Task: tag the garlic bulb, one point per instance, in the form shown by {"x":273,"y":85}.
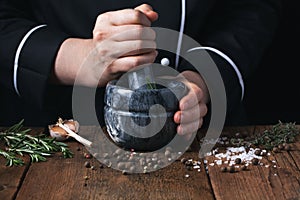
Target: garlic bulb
{"x":58,"y":133}
{"x":72,"y":125}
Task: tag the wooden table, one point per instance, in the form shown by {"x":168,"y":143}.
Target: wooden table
{"x":59,"y":178}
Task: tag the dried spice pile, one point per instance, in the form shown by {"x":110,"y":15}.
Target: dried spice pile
{"x":240,"y":152}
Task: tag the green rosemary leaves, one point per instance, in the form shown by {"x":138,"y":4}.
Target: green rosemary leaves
{"x":17,"y":143}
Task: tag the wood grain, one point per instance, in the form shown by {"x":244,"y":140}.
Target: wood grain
{"x":278,"y":181}
{"x":64,"y":179}
{"x":11,"y":178}
{"x":60,"y":178}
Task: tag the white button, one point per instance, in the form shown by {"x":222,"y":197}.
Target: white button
{"x":165,"y":62}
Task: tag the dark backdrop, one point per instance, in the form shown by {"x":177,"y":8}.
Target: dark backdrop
{"x":273,"y":93}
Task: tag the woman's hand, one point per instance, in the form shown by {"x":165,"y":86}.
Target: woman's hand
{"x":192,"y":107}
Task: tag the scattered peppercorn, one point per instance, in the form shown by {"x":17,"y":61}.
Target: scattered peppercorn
{"x":255,"y":161}
{"x":188,"y":163}
{"x":167,"y":153}
{"x":78,"y":148}
{"x":238,"y":161}
{"x":190,"y":168}
{"x":280,"y":147}
{"x":183,"y":160}
{"x":244,"y":167}
{"x":223,"y":169}
{"x":87,"y":155}
{"x":231,"y":169}
{"x":87,"y":164}
{"x":287,"y":147}
{"x":257,"y":152}
{"x":275,"y":150}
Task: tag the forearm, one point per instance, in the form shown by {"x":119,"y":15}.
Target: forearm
{"x":69,"y":59}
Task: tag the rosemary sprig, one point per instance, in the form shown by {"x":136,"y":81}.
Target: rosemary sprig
{"x":17,"y":143}
{"x":150,"y":86}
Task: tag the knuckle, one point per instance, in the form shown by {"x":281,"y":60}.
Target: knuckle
{"x":135,"y":62}
{"x":99,"y":35}
{"x":136,"y":15}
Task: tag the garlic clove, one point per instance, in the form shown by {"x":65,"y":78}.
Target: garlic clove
{"x":58,"y":133}
{"x":72,"y":125}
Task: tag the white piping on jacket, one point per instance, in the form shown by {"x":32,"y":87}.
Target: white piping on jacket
{"x":17,"y":56}
{"x":224,"y":56}
{"x":182,"y":23}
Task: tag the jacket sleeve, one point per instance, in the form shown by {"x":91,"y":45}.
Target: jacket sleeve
{"x":237,"y":34}
{"x":28,"y":48}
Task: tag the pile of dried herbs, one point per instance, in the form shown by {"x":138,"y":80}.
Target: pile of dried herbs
{"x":279,"y":134}
{"x":17,"y":143}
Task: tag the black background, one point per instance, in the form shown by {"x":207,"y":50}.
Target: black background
{"x":273,"y":93}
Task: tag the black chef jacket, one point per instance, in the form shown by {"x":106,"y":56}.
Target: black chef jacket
{"x":32,"y":31}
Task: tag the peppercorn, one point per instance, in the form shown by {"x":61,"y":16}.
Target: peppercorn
{"x":132,"y":169}
{"x":190,"y":168}
{"x":287,"y":147}
{"x":169,"y":149}
{"x":238,"y":161}
{"x":87,"y":155}
{"x":223,"y":169}
{"x":231,"y":169}
{"x":78,"y":148}
{"x":160,"y":162}
{"x":257,"y":152}
{"x":119,"y":158}
{"x":124,"y":172}
{"x":118,"y":151}
{"x":167,"y":153}
{"x":244,"y":168}
{"x":121,"y":165}
{"x":105,"y":155}
{"x":183,"y":160}
{"x":188,"y":163}
{"x":263,"y":153}
{"x":87,"y":164}
{"x":280,"y":147}
{"x":255,"y":161}
{"x":275,"y":150}
{"x":93,"y":167}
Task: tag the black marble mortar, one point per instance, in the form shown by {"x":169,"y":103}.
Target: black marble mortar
{"x":127,"y":110}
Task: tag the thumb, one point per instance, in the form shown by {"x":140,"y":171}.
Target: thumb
{"x":148,"y":11}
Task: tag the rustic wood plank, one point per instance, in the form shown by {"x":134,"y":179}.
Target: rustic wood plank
{"x":11,"y":177}
{"x":64,"y":179}
{"x":278,"y":181}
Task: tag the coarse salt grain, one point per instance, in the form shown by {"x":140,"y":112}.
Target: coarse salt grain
{"x":218,"y":162}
